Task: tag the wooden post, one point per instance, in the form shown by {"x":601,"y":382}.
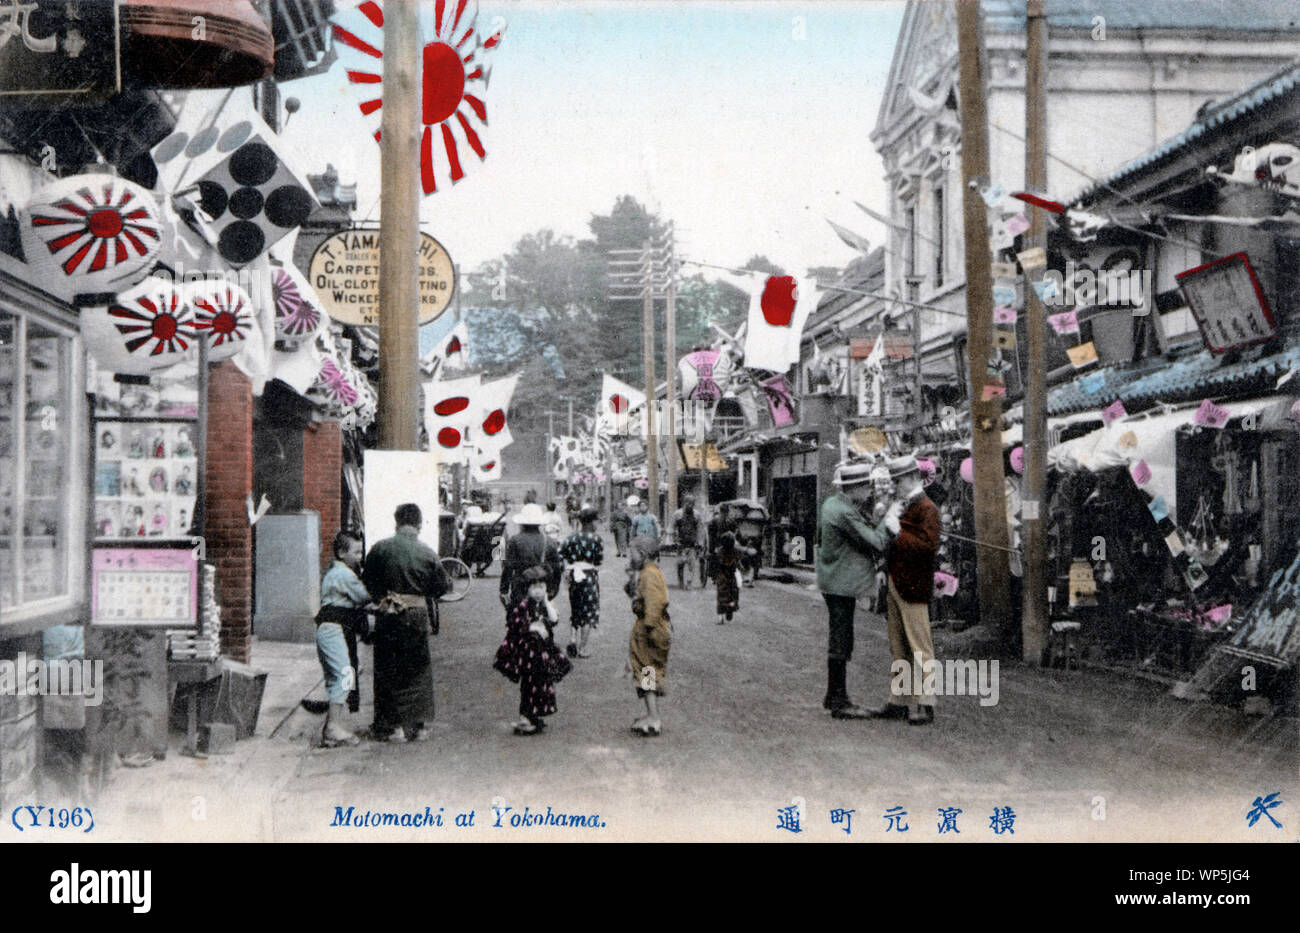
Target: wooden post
{"x":670,"y":367}
{"x":399,"y":229}
{"x":1034,"y":618}
{"x":648,"y":361}
{"x":986,"y":415}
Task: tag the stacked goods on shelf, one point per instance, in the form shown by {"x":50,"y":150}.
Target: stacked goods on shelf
{"x":203,"y":643}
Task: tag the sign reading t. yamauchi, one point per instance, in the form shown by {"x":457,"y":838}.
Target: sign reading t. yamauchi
{"x":345,"y":273}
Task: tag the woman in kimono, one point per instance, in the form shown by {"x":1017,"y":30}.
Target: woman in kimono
{"x":583,"y":553}
{"x":529,"y":656}
{"x":728,"y":560}
{"x":651,"y":635}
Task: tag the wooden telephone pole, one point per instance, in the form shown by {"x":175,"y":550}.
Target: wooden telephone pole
{"x":1034,"y":616}
{"x":399,"y":231}
{"x":986,"y":414}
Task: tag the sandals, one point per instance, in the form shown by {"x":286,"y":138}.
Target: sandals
{"x":340,"y":742}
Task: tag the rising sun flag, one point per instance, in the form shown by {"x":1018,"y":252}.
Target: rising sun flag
{"x":453,"y":78}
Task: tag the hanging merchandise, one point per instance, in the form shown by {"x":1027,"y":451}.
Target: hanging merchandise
{"x":297,"y":313}
{"x":225,"y":312}
{"x":242,"y":177}
{"x":91,"y":234}
{"x":968,"y":470}
{"x":1018,"y":459}
{"x":704,"y":375}
{"x":147,"y":328}
{"x":453,"y":73}
{"x":778,"y":308}
{"x":1067,"y":322}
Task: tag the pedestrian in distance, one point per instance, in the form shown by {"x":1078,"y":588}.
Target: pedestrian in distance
{"x":686,"y":534}
{"x":849,"y":549}
{"x":644,"y":523}
{"x":404,"y":577}
{"x":727,"y":561}
{"x":342,"y":617}
{"x":914,"y":522}
{"x":651,"y":635}
{"x":620,"y":522}
{"x":583,"y":553}
{"x":529,"y":656}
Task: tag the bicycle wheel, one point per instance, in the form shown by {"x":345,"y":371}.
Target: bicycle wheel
{"x":459,"y":575}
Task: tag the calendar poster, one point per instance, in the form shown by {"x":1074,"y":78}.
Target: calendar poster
{"x":145,"y":586}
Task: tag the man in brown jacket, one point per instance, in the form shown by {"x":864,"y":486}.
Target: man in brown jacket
{"x":911,"y":584}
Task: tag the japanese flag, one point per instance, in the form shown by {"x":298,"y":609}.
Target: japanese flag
{"x":452,"y":350}
{"x":617,"y":402}
{"x":486,"y":465}
{"x":778,"y":308}
{"x":492,"y":428}
{"x":451,"y":412}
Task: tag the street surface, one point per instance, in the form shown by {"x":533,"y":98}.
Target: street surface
{"x":1076,"y":755}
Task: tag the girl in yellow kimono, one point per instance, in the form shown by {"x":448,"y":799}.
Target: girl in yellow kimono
{"x":651,"y":635}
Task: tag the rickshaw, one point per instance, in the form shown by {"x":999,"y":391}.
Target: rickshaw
{"x":481,"y":533}
{"x":751,"y":520}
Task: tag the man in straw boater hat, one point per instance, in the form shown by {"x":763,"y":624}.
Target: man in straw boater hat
{"x":849,"y":549}
{"x":911,"y":585}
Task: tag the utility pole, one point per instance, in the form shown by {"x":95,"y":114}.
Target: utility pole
{"x":670,"y":367}
{"x":550,"y":467}
{"x":986,"y":414}
{"x":648,"y":365}
{"x":1034,"y":618}
{"x":399,"y":230}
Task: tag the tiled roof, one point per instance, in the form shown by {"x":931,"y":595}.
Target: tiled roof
{"x":1242,"y":15}
{"x":1201,"y":375}
{"x":1217,"y":119}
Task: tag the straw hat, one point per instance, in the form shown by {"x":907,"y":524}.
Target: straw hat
{"x":850,"y":473}
{"x":901,"y":466}
{"x":531,"y":514}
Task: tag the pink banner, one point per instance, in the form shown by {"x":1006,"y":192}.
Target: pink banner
{"x":945,"y":584}
{"x":1004,"y":315}
{"x":1113,"y":412}
{"x":1211,"y":415}
{"x":1067,"y":322}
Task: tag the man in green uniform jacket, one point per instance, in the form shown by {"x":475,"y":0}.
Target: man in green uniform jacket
{"x":849,"y":549}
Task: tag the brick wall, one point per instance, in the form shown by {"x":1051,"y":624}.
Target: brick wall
{"x":229,"y":479}
{"x":322,"y":480}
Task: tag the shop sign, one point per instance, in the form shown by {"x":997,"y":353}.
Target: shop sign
{"x":1228,"y":303}
{"x":62,"y":48}
{"x":345,"y":273}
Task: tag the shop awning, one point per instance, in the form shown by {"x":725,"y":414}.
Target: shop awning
{"x":1149,"y":438}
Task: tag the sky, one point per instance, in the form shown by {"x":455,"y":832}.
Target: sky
{"x":745,"y":123}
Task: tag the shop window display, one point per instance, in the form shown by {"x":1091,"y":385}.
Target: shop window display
{"x":36,"y":487}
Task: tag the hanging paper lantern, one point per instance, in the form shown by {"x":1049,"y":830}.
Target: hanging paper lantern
{"x":149,"y":327}
{"x":296,"y":317}
{"x":91,"y":233}
{"x":1018,"y":459}
{"x":225,"y":312}
{"x":335,"y":386}
{"x":704,"y":375}
{"x":968,"y":470}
